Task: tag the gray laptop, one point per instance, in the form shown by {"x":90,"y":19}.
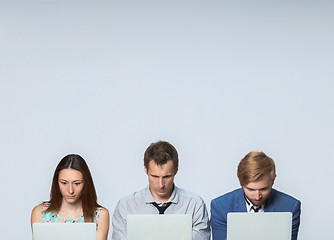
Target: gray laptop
{"x":64,"y":231}
{"x":159,"y":227}
{"x":259,"y":226}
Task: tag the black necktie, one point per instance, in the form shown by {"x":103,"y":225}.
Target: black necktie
{"x":163,"y":208}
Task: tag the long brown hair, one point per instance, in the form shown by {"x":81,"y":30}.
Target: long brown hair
{"x":88,"y":197}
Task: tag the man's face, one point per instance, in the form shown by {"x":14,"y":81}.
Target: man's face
{"x":161,"y":180}
{"x":258,"y":191}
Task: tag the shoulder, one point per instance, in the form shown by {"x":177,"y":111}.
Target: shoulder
{"x":103,"y":212}
{"x":36,"y":214}
{"x":231,"y":201}
{"x":133,"y":197}
{"x":283,"y":198}
{"x":282,"y":195}
{"x":41,"y":208}
{"x":37,"y":210}
{"x":128,"y":204}
{"x":227,"y":197}
{"x":190,"y":201}
{"x":185,"y":194}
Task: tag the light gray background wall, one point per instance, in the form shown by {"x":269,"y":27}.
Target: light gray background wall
{"x":216,"y":78}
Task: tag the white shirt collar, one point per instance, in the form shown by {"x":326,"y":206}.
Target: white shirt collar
{"x":249,"y":206}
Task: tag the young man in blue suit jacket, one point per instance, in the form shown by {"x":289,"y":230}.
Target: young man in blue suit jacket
{"x":256,"y":173}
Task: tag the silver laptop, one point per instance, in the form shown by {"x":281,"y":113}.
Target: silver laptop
{"x":64,"y":231}
{"x":159,"y":227}
{"x":259,"y":226}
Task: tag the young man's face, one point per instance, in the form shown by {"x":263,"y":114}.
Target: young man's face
{"x":258,"y":191}
{"x":161,"y":180}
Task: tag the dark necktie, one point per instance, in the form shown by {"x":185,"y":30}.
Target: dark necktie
{"x":256,"y":209}
{"x":163,"y":208}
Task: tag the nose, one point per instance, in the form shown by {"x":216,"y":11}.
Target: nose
{"x":258,"y":195}
{"x":161,"y":183}
{"x":70,"y":189}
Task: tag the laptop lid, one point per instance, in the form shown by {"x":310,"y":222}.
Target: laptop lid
{"x":64,"y":231}
{"x":259,"y":226}
{"x":159,"y":227}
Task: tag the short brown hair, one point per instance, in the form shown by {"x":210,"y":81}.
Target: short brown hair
{"x":161,"y":152}
{"x":254,"y":166}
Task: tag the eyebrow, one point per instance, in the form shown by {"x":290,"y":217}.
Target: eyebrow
{"x":168,"y":175}
{"x":153,"y":175}
{"x":60,"y":179}
{"x":264,"y":188}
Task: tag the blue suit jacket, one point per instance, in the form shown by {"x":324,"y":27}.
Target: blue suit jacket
{"x":235,"y":202}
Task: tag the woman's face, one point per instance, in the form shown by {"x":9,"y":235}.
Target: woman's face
{"x":71,"y":184}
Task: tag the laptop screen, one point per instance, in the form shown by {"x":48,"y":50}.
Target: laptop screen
{"x":259,"y":226}
{"x":159,"y":227}
{"x":64,"y":231}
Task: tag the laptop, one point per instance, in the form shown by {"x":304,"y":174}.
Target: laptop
{"x":259,"y":226}
{"x":159,"y":227}
{"x":64,"y":231}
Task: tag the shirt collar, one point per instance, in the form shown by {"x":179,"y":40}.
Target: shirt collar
{"x":249,"y":205}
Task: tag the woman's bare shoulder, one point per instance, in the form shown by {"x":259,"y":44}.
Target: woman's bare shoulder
{"x":37,"y":209}
{"x":104,"y":212}
{"x":36,"y":214}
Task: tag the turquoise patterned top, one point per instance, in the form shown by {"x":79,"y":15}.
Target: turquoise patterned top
{"x":54,"y":217}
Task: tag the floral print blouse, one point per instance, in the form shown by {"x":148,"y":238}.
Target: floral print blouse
{"x":54,"y":217}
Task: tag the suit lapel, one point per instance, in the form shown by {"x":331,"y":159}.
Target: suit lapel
{"x":240,"y":205}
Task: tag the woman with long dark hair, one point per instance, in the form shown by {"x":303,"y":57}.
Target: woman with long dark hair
{"x":73,"y":198}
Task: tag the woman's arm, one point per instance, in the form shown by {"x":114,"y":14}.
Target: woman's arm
{"x":103,"y":225}
{"x":36,"y":215}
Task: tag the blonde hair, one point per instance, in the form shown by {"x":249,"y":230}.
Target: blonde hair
{"x":254,"y":166}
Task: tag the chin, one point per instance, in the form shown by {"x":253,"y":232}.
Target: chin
{"x":259,"y":204}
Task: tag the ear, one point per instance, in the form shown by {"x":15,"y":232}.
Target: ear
{"x":177,"y":169}
{"x":145,"y":169}
{"x":273,"y":180}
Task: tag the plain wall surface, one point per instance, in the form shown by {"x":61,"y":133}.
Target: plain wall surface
{"x":217,"y":79}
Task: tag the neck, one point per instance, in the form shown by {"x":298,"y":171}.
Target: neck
{"x":71,"y":206}
{"x":70,"y":211}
